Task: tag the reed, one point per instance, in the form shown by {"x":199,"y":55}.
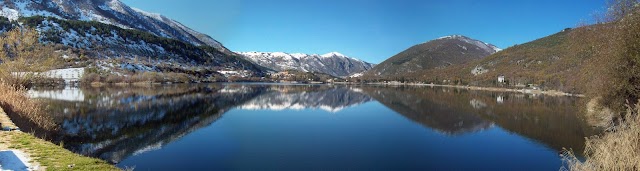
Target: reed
{"x":617,"y":149}
{"x":23,"y":109}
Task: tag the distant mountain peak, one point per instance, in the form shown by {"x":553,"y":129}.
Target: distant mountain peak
{"x":332,"y":54}
{"x":486,"y":46}
{"x":434,"y":54}
{"x":455,"y":36}
{"x":332,"y":63}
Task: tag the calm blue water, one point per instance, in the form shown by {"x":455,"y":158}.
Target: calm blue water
{"x":302,"y":127}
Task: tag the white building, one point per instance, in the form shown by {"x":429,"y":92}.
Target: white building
{"x":501,"y":79}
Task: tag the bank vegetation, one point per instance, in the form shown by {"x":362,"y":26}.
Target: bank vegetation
{"x":615,"y":88}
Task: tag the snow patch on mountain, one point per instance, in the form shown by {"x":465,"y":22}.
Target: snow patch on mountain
{"x":12,"y":14}
{"x":333,"y":54}
{"x":111,"y":12}
{"x":484,"y":46}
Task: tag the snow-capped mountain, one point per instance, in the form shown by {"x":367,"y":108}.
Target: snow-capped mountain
{"x":111,"y":12}
{"x":439,"y":53}
{"x":482,"y":45}
{"x":333,"y":63}
{"x":104,"y":30}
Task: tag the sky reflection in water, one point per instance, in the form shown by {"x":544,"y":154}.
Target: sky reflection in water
{"x":258,"y":126}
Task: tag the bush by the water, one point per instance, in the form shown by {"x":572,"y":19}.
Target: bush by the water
{"x":18,"y":105}
{"x":613,"y":74}
{"x":151,"y":77}
{"x":618,"y":149}
{"x":616,"y":85}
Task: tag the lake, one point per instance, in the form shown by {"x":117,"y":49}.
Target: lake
{"x":319,"y":127}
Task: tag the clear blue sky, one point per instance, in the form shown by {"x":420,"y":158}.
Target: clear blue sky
{"x":372,"y":30}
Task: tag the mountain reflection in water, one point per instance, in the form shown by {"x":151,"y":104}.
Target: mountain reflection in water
{"x":114,"y":123}
{"x":554,"y":121}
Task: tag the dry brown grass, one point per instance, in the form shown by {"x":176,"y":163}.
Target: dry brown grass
{"x":22,"y":109}
{"x":618,"y":149}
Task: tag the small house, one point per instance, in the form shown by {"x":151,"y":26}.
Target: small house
{"x":501,"y":79}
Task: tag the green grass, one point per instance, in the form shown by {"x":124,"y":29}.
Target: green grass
{"x":51,"y":156}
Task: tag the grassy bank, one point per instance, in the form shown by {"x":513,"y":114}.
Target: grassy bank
{"x":49,"y":155}
{"x":617,"y":149}
{"x":30,"y":115}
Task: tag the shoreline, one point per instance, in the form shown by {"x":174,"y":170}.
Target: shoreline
{"x":5,"y":122}
{"x":475,"y":88}
{"x":25,"y":151}
{"x":493,"y":89}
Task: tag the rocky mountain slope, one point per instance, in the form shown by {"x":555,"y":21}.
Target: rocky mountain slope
{"x":439,"y":53}
{"x":111,"y":12}
{"x":110,"y":35}
{"x":333,"y":63}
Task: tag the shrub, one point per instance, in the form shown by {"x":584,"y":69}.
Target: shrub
{"x":618,"y":149}
{"x":177,"y":77}
{"x":150,"y":77}
{"x":89,"y":78}
{"x":23,"y":53}
{"x":21,"y":108}
{"x":114,"y":79}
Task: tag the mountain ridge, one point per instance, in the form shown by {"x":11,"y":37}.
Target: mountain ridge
{"x":438,"y":53}
{"x":110,"y":35}
{"x":111,"y":12}
{"x":333,"y":63}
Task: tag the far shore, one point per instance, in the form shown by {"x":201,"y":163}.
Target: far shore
{"x":477,"y":88}
{"x":494,"y":89}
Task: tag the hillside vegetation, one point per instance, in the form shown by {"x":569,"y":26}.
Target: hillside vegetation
{"x":614,"y":81}
{"x":562,"y":61}
{"x":551,"y":62}
{"x":435,"y":54}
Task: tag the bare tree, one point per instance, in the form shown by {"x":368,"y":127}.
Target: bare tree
{"x":618,"y":9}
{"x":21,"y":54}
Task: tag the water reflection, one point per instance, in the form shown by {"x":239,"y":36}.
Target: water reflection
{"x":114,"y":123}
{"x":441,"y":110}
{"x":327,"y":98}
{"x":553,"y":121}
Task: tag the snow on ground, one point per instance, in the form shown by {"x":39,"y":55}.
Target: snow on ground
{"x":356,"y":75}
{"x":12,"y":14}
{"x":26,"y":11}
{"x":241,"y":73}
{"x":67,"y":94}
{"x":69,"y":74}
{"x":332,"y":54}
{"x":15,"y":160}
{"x":484,"y":46}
